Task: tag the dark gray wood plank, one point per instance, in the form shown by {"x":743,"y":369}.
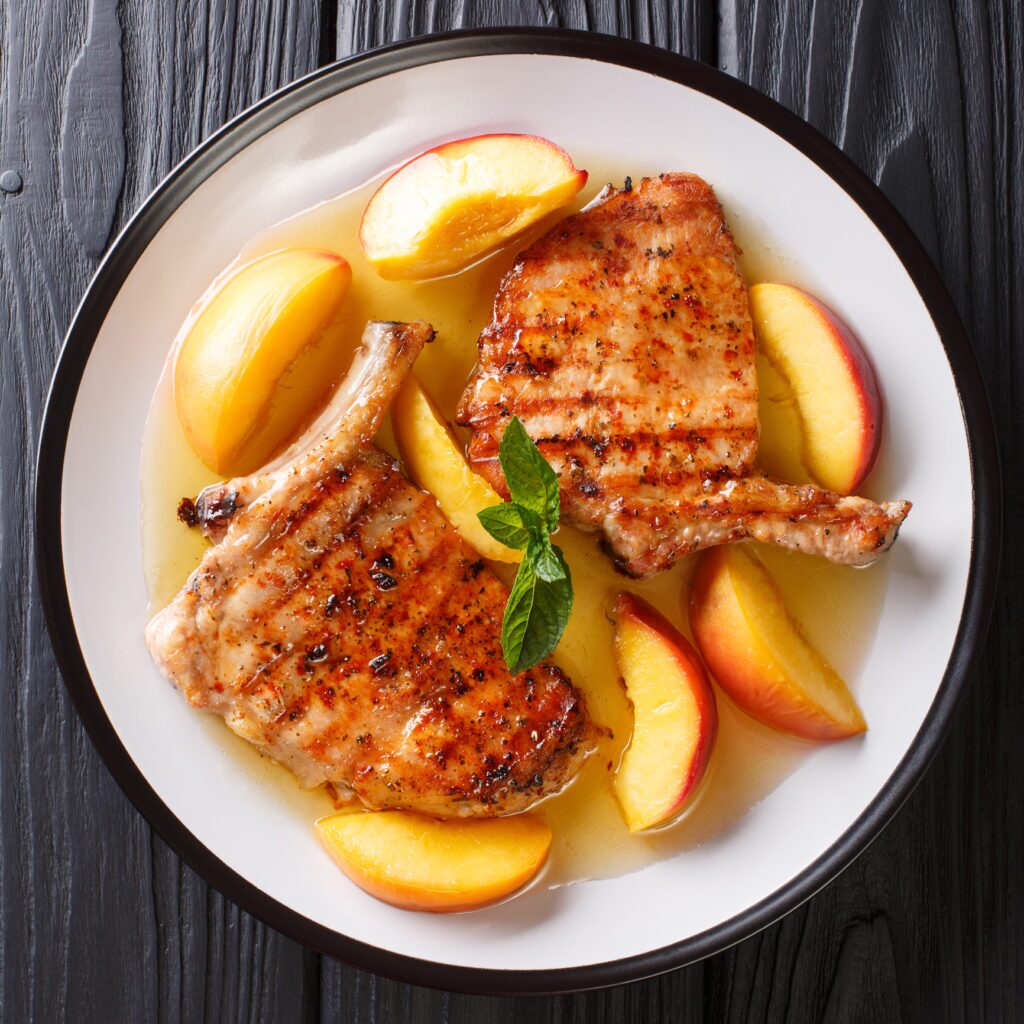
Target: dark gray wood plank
{"x":928,"y":925}
{"x":686,"y":26}
{"x":98,"y":920}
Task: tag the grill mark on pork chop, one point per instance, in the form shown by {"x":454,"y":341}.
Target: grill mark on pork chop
{"x":307,"y":525}
{"x":622,"y":339}
{"x":624,"y":410}
{"x":341,"y":625}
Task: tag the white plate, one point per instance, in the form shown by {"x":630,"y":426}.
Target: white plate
{"x":336,"y":129}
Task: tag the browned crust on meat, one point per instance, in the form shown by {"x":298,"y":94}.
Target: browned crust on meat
{"x":344,"y":627}
{"x":623,"y":341}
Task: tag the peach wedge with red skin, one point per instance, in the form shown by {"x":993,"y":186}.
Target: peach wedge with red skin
{"x":832,"y":381}
{"x":434,"y":461}
{"x":758,"y":654}
{"x":456,"y":203}
{"x":675,"y":718}
{"x":420,"y":863}
{"x":243,"y":340}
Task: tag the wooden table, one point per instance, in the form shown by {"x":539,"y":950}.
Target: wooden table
{"x":99,"y":921}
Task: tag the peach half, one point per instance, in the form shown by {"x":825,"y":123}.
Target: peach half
{"x":758,"y":654}
{"x":436,"y":464}
{"x":243,"y":341}
{"x":674,"y":716}
{"x":833,"y":386}
{"x":420,"y":863}
{"x":455,"y":203}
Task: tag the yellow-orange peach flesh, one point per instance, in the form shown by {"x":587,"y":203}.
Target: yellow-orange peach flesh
{"x":243,"y":341}
{"x":674,"y":716}
{"x":758,"y":654}
{"x":832,"y":385}
{"x":435,"y":462}
{"x":457,"y":202}
{"x":420,"y":863}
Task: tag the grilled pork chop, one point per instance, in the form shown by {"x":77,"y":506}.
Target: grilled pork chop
{"x":341,"y":625}
{"x":623,"y":341}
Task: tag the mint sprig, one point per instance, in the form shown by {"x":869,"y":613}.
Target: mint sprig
{"x":540,"y":601}
{"x":531,"y":481}
{"x":511,"y":524}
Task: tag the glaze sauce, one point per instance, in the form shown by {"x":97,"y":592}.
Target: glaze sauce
{"x":838,"y":606}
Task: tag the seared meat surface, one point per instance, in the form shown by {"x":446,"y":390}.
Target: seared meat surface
{"x":623,"y":341}
{"x":341,"y":625}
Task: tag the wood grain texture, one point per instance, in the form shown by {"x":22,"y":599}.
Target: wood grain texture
{"x":686,"y":26}
{"x":99,"y":921}
{"x":922,"y":96}
{"x":92,"y":132}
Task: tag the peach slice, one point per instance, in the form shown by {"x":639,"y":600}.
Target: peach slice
{"x":455,"y":203}
{"x":833,"y":387}
{"x":243,"y":340}
{"x":781,"y":449}
{"x":674,"y":716}
{"x":758,"y":654}
{"x":419,"y":863}
{"x":432,"y":456}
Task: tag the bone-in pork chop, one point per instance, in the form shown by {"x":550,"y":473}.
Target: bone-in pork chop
{"x":623,"y":341}
{"x":341,"y":625}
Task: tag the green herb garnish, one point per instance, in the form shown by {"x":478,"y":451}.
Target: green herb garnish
{"x":541,"y":598}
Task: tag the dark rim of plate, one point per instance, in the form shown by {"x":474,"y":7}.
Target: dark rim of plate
{"x":347,"y":74}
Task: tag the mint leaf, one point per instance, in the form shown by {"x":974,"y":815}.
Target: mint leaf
{"x":532,"y":483}
{"x":547,"y":561}
{"x":540,"y":601}
{"x":512,"y":525}
{"x":535,"y":617}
